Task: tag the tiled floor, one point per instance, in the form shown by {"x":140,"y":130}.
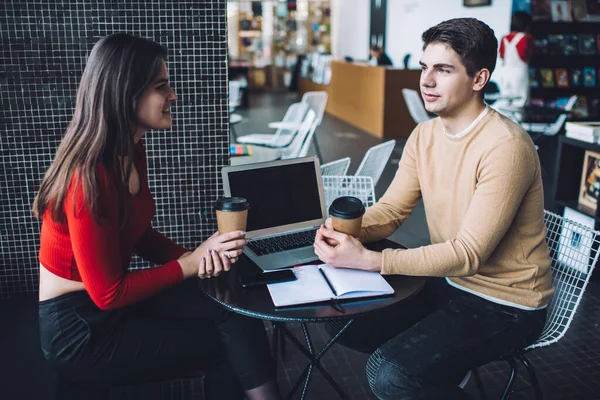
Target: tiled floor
{"x":567,"y":370}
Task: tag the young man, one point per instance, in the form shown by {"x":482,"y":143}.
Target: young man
{"x":378,"y":56}
{"x":489,"y":266}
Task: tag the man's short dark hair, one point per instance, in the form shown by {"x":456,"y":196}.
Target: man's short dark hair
{"x":473,"y":40}
{"x":520,"y":22}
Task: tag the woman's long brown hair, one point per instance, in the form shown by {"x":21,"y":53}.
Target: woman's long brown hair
{"x":120,"y":67}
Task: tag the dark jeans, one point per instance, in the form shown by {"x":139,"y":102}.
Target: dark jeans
{"x":423,"y":348}
{"x":176,"y":331}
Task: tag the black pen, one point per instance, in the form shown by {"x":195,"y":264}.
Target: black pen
{"x":334,"y":300}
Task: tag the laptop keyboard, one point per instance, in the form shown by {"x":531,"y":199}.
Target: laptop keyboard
{"x":281,"y":243}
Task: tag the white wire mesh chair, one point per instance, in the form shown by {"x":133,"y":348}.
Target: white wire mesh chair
{"x":574,"y":252}
{"x":337,"y":167}
{"x":415,"y":105}
{"x":284,"y":135}
{"x":360,"y":187}
{"x":375,"y":160}
{"x":297,"y":147}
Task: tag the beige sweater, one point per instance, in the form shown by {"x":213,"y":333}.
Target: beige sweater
{"x":484,"y":204}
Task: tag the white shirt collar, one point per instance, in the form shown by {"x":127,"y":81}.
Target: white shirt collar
{"x":468,"y":128}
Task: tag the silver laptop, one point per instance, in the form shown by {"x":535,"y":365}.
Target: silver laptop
{"x":287,"y":206}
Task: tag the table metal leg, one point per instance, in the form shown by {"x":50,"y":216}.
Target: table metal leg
{"x":314,"y":360}
{"x":275,"y":346}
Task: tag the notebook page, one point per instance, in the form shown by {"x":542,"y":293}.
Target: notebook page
{"x":309,"y":287}
{"x":350,"y":282}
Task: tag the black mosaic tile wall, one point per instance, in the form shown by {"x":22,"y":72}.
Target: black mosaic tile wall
{"x":43,"y":49}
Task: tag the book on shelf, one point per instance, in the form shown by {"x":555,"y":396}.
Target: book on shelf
{"x":583,"y":137}
{"x":556,"y":45}
{"x":562,"y":78}
{"x":572,"y":250}
{"x":571,"y":45}
{"x":579,"y":10}
{"x":576,"y":77}
{"x":561,"y":10}
{"x":594,"y":108}
{"x":240,"y":150}
{"x":584,"y":128}
{"x":541,"y":46}
{"x":534,"y":80}
{"x":580,"y":110}
{"x":587,"y":44}
{"x":547,"y":77}
{"x":322,"y":283}
{"x":589,"y":189}
{"x":540,"y":10}
{"x":589,"y":77}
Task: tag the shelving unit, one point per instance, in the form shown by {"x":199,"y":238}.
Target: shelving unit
{"x":568,"y":169}
{"x":588,"y":106}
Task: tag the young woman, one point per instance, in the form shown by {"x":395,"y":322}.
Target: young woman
{"x":101,"y":323}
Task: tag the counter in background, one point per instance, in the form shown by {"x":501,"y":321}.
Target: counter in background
{"x":369,"y":97}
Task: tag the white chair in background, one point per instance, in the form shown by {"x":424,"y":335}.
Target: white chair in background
{"x":316,"y":101}
{"x":375,"y":160}
{"x":282,"y":137}
{"x":360,"y":187}
{"x":235,"y":96}
{"x":550,"y":128}
{"x":310,"y":139}
{"x":415,"y":105}
{"x":574,"y":253}
{"x":305,"y":133}
{"x":336,"y":168}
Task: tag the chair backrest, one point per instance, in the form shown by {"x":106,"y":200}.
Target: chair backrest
{"x":294,"y":115}
{"x":555,"y":127}
{"x":337,"y":167}
{"x":574,"y":252}
{"x":317,"y":101}
{"x":234,"y":94}
{"x":571,"y":103}
{"x":296,"y":146}
{"x":358,"y":186}
{"x":415,"y":106}
{"x":550,"y":129}
{"x":375,"y":160}
{"x":308,"y":141}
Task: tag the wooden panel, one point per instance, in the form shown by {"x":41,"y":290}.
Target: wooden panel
{"x":397,"y":119}
{"x":368,"y":97}
{"x":357,"y":94}
{"x":307,"y":85}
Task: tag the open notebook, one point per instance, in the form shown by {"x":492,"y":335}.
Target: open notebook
{"x":317,"y":283}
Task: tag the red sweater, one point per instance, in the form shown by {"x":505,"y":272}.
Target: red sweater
{"x":98,"y":254}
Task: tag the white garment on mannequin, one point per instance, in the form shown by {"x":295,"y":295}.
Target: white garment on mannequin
{"x":513,"y":80}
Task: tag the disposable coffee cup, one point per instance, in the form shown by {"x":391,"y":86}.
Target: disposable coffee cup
{"x":346,"y":215}
{"x":232,"y":213}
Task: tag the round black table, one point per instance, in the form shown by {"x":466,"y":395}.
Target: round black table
{"x":256,"y":302}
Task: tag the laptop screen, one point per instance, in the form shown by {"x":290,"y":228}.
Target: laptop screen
{"x":278,"y":195}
